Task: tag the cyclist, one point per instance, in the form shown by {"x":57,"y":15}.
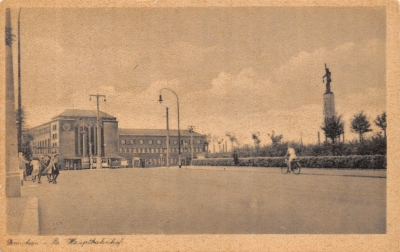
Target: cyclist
{"x":291,"y":153}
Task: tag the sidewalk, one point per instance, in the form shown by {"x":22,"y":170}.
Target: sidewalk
{"x":381,"y":173}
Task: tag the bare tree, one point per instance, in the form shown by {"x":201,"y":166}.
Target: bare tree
{"x":219,"y":140}
{"x":208,"y":141}
{"x":275,"y":138}
{"x":256,"y":139}
{"x":232,"y":138}
{"x":380,"y":121}
{"x":360,"y":124}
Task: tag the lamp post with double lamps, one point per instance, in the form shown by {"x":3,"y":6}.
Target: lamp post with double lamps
{"x":179,"y":132}
{"x":98,"y":129}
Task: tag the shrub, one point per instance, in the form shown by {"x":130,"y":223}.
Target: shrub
{"x":352,"y":162}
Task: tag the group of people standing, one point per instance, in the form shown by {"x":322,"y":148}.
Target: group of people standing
{"x":44,"y":166}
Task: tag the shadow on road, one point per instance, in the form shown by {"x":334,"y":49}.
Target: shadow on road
{"x":304,"y":171}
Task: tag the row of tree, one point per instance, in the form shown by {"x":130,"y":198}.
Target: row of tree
{"x":333,"y":128}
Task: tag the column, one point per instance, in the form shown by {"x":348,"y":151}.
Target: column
{"x":13,"y":174}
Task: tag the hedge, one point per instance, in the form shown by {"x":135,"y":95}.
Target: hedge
{"x":350,"y":162}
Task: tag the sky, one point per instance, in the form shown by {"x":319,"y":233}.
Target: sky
{"x":240,"y":70}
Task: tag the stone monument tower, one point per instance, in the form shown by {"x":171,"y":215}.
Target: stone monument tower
{"x":13,"y":174}
{"x":329,"y":101}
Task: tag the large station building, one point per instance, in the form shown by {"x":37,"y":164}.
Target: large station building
{"x":73,"y":135}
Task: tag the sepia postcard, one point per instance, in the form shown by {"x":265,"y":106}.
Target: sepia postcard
{"x":155,"y":125}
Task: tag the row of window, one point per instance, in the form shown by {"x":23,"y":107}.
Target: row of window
{"x":46,"y":150}
{"x":41,"y":144}
{"x":54,"y":127}
{"x":42,"y":131}
{"x":158,"y":161}
{"x":157,"y":150}
{"x":150,"y":141}
{"x":43,"y":147}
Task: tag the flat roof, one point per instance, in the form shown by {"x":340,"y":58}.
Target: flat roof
{"x":155,"y":132}
{"x":84,"y":113}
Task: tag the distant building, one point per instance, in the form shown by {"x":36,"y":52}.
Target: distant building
{"x":147,"y":147}
{"x":73,"y":135}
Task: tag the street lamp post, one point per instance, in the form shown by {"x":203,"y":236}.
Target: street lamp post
{"x":98,"y":129}
{"x":167,"y":141}
{"x":191,"y":129}
{"x":179,"y":132}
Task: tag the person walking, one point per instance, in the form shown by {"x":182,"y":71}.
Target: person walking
{"x":55,"y":172}
{"x":35,"y":164}
{"x":49,"y":169}
{"x":22,"y":164}
{"x":235,"y":158}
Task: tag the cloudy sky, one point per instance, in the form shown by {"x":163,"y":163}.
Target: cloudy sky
{"x":239,"y":70}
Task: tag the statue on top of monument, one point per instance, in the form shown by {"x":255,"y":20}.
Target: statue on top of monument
{"x":328,"y":80}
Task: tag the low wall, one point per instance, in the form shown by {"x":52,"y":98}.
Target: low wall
{"x":350,"y":162}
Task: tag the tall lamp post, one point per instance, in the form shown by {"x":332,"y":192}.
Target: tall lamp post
{"x":98,"y":129}
{"x":179,"y":132}
{"x":191,"y":130}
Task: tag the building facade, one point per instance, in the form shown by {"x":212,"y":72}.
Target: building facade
{"x":148,"y":147}
{"x":73,"y":135}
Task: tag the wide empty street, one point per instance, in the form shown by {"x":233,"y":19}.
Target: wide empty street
{"x":211,"y":200}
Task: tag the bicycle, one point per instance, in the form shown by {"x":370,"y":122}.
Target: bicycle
{"x":295,"y":167}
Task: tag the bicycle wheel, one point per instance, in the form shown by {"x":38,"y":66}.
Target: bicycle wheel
{"x":296,"y":168}
{"x":284,"y":169}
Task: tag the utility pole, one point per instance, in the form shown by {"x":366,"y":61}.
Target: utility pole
{"x":90,"y":147}
{"x":301,"y":138}
{"x":167,"y":142}
{"x":83,"y":140}
{"x":19,"y":87}
{"x":191,"y":129}
{"x":98,"y":129}
{"x":319,"y":140}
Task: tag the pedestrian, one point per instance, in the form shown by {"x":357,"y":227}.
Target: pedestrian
{"x":235,"y":158}
{"x":22,"y":164}
{"x":35,"y":164}
{"x":55,"y":172}
{"x":49,"y":169}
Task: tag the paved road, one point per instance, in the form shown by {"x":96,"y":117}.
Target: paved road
{"x":211,"y":200}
